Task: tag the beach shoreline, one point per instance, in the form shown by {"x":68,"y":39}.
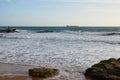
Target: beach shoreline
{"x":11,"y":71}
{"x":8,"y":69}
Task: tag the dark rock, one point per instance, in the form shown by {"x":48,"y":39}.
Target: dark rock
{"x":43,"y":72}
{"x":104,"y":70}
{"x":111,"y":34}
{"x":8,"y":30}
{"x":119,"y":59}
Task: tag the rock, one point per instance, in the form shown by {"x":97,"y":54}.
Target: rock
{"x":105,"y":70}
{"x":111,"y":34}
{"x":43,"y":72}
{"x":8,"y":30}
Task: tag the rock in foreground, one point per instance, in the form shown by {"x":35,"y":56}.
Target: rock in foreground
{"x":104,"y":70}
{"x":43,"y":72}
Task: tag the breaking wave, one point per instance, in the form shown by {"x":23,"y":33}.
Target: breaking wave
{"x":70,"y":51}
{"x":96,"y":37}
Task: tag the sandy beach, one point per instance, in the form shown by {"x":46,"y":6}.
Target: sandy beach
{"x":15,"y":78}
{"x":14,"y":71}
{"x":7,"y":69}
{"x":10,"y":71}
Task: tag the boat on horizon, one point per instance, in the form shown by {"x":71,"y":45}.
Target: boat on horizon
{"x":71,"y":26}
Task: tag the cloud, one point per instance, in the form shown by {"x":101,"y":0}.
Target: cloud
{"x":93,"y":1}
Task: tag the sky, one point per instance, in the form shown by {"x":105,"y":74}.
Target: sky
{"x":59,"y":12}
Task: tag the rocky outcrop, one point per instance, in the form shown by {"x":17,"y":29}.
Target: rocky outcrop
{"x":111,"y":34}
{"x":43,"y":72}
{"x":104,"y":70}
{"x":8,"y":30}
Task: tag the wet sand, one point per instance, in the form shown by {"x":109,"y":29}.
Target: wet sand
{"x":14,"y":71}
{"x":10,"y":71}
{"x":15,"y":78}
{"x":7,"y":69}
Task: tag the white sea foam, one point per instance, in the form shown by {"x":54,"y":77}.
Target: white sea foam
{"x":71,"y":52}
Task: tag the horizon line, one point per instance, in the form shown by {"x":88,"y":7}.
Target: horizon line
{"x":62,"y":26}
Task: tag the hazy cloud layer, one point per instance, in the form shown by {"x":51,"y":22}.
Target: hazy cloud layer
{"x":60,"y":12}
{"x":93,"y":1}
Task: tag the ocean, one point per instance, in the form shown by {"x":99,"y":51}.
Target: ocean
{"x":70,"y":49}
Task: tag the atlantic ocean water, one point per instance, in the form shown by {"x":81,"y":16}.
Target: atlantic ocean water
{"x":70,"y":49}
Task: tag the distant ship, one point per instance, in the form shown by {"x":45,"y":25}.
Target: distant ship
{"x":71,"y":26}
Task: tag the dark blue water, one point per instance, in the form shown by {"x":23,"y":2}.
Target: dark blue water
{"x":41,"y":29}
